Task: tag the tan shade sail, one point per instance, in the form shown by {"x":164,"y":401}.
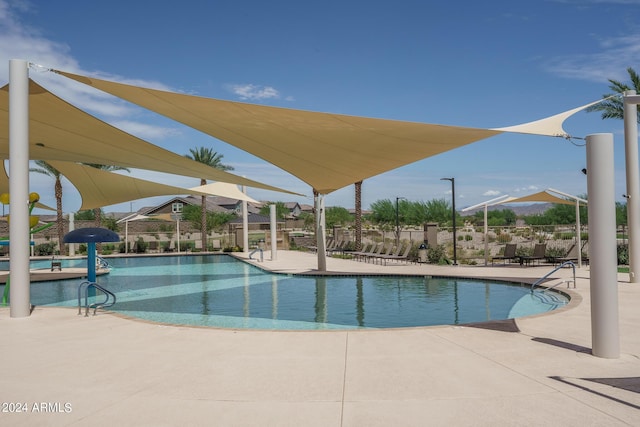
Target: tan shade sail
{"x":60,"y":131}
{"x":542,"y":196}
{"x":224,"y":189}
{"x":100,"y":188}
{"x":327,"y":151}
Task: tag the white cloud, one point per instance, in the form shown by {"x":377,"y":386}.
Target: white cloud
{"x":19,"y":41}
{"x":615,"y":55}
{"x":490,"y":193}
{"x":527,"y":189}
{"x":253,"y":92}
{"x":146,"y":131}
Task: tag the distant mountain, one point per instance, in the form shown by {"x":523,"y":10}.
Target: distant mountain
{"x":519,"y":210}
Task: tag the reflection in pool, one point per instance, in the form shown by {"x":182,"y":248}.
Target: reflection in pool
{"x":220,"y":291}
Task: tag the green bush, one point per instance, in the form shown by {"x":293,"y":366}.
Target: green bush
{"x":187,"y":246}
{"x":44,"y":249}
{"x":141,"y":246}
{"x":437,"y":255}
{"x":623,"y":254}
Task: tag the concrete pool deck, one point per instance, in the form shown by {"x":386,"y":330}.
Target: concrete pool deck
{"x":107,"y":370}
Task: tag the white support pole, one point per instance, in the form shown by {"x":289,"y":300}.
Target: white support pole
{"x":245,"y":223}
{"x":321,"y":233}
{"x":178,"y":232}
{"x":633,"y":181}
{"x":126,"y":237}
{"x":486,"y":236}
{"x":72,"y":226}
{"x":20,"y":293}
{"x":274,"y":233}
{"x":602,"y":245}
{"x":578,"y":234}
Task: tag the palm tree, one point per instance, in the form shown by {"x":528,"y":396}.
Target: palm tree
{"x":211,"y":158}
{"x":46,"y":169}
{"x":613,"y":108}
{"x":358,"y":207}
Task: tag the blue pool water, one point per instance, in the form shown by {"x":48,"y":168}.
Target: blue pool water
{"x":220,"y":291}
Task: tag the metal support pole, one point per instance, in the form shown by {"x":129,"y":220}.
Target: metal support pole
{"x":633,"y":181}
{"x":20,"y":292}
{"x":486,"y":236}
{"x":578,"y":234}
{"x":91,"y":261}
{"x":602,"y":244}
{"x":397,"y":223}
{"x":453,"y":209}
{"x":274,"y":233}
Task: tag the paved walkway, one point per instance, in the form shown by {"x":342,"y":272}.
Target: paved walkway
{"x":107,"y":370}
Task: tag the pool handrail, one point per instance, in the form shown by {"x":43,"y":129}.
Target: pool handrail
{"x":86,"y":285}
{"x":537,"y":282}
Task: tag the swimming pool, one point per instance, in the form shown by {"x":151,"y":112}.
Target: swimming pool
{"x":220,"y":291}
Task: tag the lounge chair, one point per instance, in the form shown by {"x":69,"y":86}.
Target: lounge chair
{"x":379,"y":250}
{"x":571,"y":255}
{"x":538,"y":254}
{"x":509,"y":254}
{"x":366,"y":249}
{"x":384,"y":251}
{"x":373,"y":249}
{"x":397,"y":256}
{"x":391,"y":251}
{"x":339,"y":247}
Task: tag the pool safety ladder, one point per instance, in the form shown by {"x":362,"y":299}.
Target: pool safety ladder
{"x":257,"y":250}
{"x":544,"y":294}
{"x":102,"y":263}
{"x":83,"y":290}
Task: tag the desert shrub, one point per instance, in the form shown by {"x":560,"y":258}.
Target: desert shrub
{"x":437,"y":255}
{"x":141,"y":246}
{"x":44,"y":249}
{"x":503,"y":238}
{"x":623,"y":254}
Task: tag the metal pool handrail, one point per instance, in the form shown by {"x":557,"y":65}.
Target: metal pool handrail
{"x":86,"y":285}
{"x":537,"y":282}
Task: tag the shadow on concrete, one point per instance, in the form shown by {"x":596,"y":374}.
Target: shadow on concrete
{"x":625,"y":381}
{"x":506,"y":325}
{"x":562,"y":344}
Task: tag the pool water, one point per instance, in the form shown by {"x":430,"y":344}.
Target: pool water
{"x":220,"y":291}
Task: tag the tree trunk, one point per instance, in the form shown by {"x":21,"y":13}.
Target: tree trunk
{"x":358,"y":215}
{"x":203,"y":218}
{"x":59,"y":217}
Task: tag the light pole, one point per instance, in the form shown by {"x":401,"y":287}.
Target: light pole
{"x":398,"y":222}
{"x":453,"y":208}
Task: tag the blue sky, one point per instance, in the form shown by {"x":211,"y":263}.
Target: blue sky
{"x":476,"y":64}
